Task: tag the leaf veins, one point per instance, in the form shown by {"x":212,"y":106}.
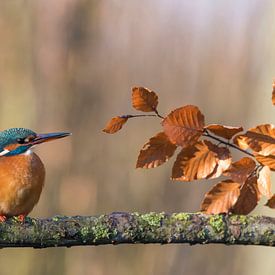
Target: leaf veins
{"x":201,"y":161}
{"x":260,"y":139}
{"x":248,"y":198}
{"x":155,"y":152}
{"x":144,"y":99}
{"x":115,"y":124}
{"x":241,"y":170}
{"x":226,"y":132}
{"x":264,"y":182}
{"x":266,"y":160}
{"x":184,"y":125}
{"x":221,"y":197}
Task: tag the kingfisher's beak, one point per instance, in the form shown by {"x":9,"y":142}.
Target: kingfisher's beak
{"x":40,"y":138}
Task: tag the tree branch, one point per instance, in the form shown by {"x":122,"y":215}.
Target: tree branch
{"x":227,"y":143}
{"x":119,"y":227}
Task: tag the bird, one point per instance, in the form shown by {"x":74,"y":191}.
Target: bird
{"x":22,"y":173}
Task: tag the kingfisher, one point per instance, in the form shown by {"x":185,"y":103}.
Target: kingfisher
{"x":22,"y":173}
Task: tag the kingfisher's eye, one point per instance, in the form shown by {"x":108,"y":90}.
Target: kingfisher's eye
{"x":29,"y":139}
{"x":25,"y":140}
{"x":20,"y":140}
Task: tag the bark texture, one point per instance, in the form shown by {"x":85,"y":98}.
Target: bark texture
{"x":120,"y":227}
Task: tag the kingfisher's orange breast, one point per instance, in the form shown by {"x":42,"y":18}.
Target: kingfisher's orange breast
{"x":21,"y":182}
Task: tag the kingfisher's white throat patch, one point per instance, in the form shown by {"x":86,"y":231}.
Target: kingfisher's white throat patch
{"x":4,"y":152}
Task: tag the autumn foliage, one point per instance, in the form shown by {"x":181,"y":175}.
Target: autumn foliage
{"x":204,"y":153}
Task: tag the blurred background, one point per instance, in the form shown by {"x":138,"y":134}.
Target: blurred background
{"x":70,"y":65}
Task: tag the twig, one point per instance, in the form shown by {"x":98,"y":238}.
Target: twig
{"x":207,"y":134}
{"x":132,"y":116}
{"x":157,"y":113}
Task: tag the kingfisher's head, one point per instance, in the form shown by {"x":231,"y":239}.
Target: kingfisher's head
{"x":17,"y":141}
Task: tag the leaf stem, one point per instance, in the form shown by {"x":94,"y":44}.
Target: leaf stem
{"x":207,"y":134}
{"x":157,"y":113}
{"x":131,"y":116}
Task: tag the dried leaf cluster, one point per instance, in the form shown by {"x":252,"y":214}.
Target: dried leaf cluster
{"x":205,"y":154}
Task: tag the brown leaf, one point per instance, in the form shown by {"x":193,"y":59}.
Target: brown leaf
{"x":266,"y":160}
{"x":184,"y":125}
{"x":240,"y":141}
{"x":264,"y":182}
{"x":241,"y":170}
{"x":273,"y":93}
{"x":224,"y":162}
{"x":115,"y":124}
{"x":144,"y":99}
{"x":226,"y":132}
{"x":271,"y":202}
{"x":260,"y":139}
{"x":182,"y":159}
{"x":155,"y":152}
{"x":221,"y":197}
{"x":248,"y":198}
{"x":203,"y":160}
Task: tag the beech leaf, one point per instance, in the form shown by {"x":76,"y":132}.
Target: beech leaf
{"x":223,"y":163}
{"x":266,"y":160}
{"x":200,"y":161}
{"x":115,"y":124}
{"x":248,"y":199}
{"x":264,"y":182}
{"x":184,"y":125}
{"x":260,"y":139}
{"x":221,"y":197}
{"x":271,"y":202}
{"x":179,"y":167}
{"x":226,"y":132}
{"x":241,"y":142}
{"x":241,"y":170}
{"x":144,"y":99}
{"x":155,"y":152}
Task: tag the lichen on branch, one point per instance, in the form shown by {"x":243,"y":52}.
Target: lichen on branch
{"x":133,"y":228}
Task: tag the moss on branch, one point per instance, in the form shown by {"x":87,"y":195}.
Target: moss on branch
{"x":120,"y":227}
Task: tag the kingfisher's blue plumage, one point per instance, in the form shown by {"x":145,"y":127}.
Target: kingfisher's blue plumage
{"x":22,"y":172}
{"x":14,"y":136}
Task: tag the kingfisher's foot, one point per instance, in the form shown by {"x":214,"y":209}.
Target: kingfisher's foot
{"x":3,"y":218}
{"x":21,"y":217}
